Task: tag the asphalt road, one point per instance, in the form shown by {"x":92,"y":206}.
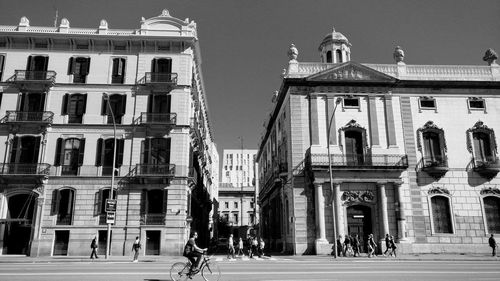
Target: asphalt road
{"x":289,"y":269}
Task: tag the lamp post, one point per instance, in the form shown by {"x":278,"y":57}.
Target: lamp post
{"x":337,"y":102}
{"x":106,"y":98}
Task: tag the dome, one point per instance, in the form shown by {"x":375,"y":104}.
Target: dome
{"x":334,"y":37}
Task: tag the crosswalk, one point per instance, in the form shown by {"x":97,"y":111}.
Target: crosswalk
{"x":246,"y":258}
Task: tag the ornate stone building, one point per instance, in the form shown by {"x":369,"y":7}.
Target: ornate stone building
{"x":412,"y":151}
{"x":58,"y":138}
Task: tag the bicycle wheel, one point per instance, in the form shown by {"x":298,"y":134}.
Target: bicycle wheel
{"x":211,"y":272}
{"x":179,"y":271}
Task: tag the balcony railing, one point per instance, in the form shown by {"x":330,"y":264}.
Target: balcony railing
{"x":87,"y":171}
{"x":153,"y":219}
{"x":435,"y":166}
{"x":33,"y":76}
{"x":22,"y":169}
{"x":154,"y":170}
{"x":361,"y":161}
{"x":487,"y":166}
{"x":64,"y":219}
{"x":45,"y":117}
{"x":158,"y":118}
{"x":160,"y":78}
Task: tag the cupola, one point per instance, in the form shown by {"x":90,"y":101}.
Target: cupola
{"x":335,"y":48}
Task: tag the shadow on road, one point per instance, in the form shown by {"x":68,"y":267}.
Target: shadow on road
{"x":157,"y":280}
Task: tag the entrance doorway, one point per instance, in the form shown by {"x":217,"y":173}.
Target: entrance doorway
{"x":359,"y":221}
{"x":61,"y":243}
{"x":18,"y":224}
{"x":153,"y":242}
{"x":102,"y":241}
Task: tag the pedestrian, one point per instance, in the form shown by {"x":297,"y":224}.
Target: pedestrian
{"x":347,"y":245}
{"x":240,"y":247}
{"x":254,"y":247}
{"x":262,"y":245}
{"x":355,"y":245}
{"x":230,"y":247}
{"x":93,"y":246}
{"x":371,"y":246}
{"x":493,"y":245}
{"x":387,"y":244}
{"x":393,"y":247}
{"x":135,"y":248}
{"x":339,"y":246}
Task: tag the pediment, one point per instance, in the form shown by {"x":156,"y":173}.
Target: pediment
{"x":350,"y":71}
{"x":165,"y":24}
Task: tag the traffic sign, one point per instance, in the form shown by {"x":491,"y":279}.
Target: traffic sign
{"x":110,"y":217}
{"x":110,"y":205}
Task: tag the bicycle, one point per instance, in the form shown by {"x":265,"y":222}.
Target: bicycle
{"x":210,"y":270}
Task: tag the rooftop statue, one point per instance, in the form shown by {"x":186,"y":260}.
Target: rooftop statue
{"x":398,"y":54}
{"x":293,"y":53}
{"x":490,"y":56}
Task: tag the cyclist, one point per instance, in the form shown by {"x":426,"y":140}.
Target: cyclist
{"x":193,"y":252}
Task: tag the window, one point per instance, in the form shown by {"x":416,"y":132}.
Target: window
{"x":2,"y":60}
{"x":236,"y":205}
{"x":252,"y":204}
{"x":36,"y":68}
{"x":74,"y":106}
{"x":251,"y":218}
{"x":118,"y":71}
{"x":482,"y":147}
{"x":104,"y":155}
{"x":235,"y":218}
{"x":69,"y":155}
{"x":118,"y":105}
{"x":431,"y":143}
{"x":227,"y":174}
{"x":329,"y":57}
{"x":226,"y":204}
{"x":441,"y":214}
{"x":63,"y":201}
{"x":492,"y":212}
{"x":427,"y":103}
{"x":161,"y":70}
{"x":100,"y":203}
{"x":24,"y":150}
{"x":338,"y":54}
{"x":476,"y":104}
{"x":153,"y":206}
{"x":351,"y":102}
{"x":482,"y":144}
{"x":31,"y":102}
{"x":79,"y":68}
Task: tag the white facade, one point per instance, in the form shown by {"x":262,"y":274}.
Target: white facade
{"x":238,"y":167}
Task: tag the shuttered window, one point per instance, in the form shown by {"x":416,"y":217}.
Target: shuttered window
{"x":441,"y":214}
{"x":492,"y":210}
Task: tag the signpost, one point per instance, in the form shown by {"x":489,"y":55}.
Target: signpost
{"x":110,"y":217}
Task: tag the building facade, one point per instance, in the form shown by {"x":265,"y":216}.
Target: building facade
{"x":238,"y":167}
{"x":77,"y":100}
{"x":412,"y":152}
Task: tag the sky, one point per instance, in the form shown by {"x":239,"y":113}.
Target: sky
{"x":244,"y":43}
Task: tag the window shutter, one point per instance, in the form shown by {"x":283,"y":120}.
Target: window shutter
{"x":84,"y":105}
{"x":71,"y":199}
{"x":121,"y":66}
{"x":144,"y":198}
{"x":64,"y":110}
{"x":71,"y":66}
{"x":98,"y":155}
{"x":169,"y":103}
{"x":119,"y":152}
{"x":104,"y":107}
{"x":123,"y":105}
{"x":145,"y":151}
{"x":29,"y":65}
{"x":85,"y":67}
{"x":115,"y":67}
{"x":13,"y":151}
{"x":55,"y":202}
{"x":167,"y":148}
{"x":154,"y":65}
{"x":22,"y":102}
{"x":97,"y":202}
{"x":59,"y":154}
{"x":38,"y":141}
{"x":492,"y":145}
{"x":165,"y":200}
{"x":45,"y":63}
{"x":81,"y":153}
{"x":150,"y":103}
{"x":2,"y":58}
{"x":169,"y":66}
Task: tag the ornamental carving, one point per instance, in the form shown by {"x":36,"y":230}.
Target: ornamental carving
{"x":293,"y":53}
{"x":480,"y":127}
{"x":398,"y":54}
{"x":438,"y":190}
{"x":347,"y":73}
{"x":490,"y":191}
{"x":352,"y":125}
{"x":490,"y":56}
{"x":429,"y":126}
{"x":357,"y":196}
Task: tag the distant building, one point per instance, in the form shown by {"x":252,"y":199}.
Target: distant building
{"x":57,"y":138}
{"x":413,"y":153}
{"x":238,"y":167}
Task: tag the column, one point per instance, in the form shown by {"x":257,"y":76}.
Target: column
{"x":338,"y":211}
{"x":37,"y":226}
{"x":330,"y":105}
{"x":389,"y":120}
{"x":320,"y":212}
{"x":383,"y":209}
{"x":400,"y":212}
{"x":313,"y":118}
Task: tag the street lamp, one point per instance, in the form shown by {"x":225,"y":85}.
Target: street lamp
{"x":337,"y":102}
{"x":106,"y":98}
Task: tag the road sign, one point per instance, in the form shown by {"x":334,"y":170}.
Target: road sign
{"x":110,"y":205}
{"x":110,"y":217}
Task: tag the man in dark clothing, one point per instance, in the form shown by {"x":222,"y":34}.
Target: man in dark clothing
{"x":93,"y":246}
{"x":493,"y":245}
{"x":339,"y":246}
{"x":387,"y":244}
{"x":193,"y":252}
{"x":355,"y":244}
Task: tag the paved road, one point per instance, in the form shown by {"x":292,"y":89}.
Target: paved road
{"x":276,"y":269}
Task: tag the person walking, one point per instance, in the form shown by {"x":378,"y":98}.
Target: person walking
{"x":355,"y":245}
{"x":135,"y":248}
{"x":339,"y":246}
{"x":347,"y":245}
{"x":230,"y":247}
{"x":493,"y":245}
{"x":393,"y":247}
{"x":262,"y":245}
{"x":240,"y":248}
{"x":254,"y":247}
{"x":93,"y":246}
{"x":387,"y":244}
{"x":371,"y":246}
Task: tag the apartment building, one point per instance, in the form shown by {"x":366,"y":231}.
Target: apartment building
{"x":238,"y":167}
{"x":355,"y":148}
{"x":76,"y":100}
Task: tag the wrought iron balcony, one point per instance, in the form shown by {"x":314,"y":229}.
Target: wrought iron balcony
{"x":361,"y":161}
{"x":153,"y":219}
{"x":435,"y":166}
{"x":24,"y":173}
{"x":88,"y":170}
{"x":163,"y":119}
{"x":20,"y":117}
{"x":159,"y":81}
{"x":488,"y":166}
{"x":33,"y":80}
{"x":154,"y":170}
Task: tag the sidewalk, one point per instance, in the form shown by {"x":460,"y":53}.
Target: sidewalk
{"x":171,"y":259}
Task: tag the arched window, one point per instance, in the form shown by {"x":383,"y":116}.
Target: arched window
{"x":338,"y":54}
{"x":441,"y":215}
{"x":431,"y":143}
{"x":329,"y":57}
{"x":63,"y":201}
{"x":492,"y":212}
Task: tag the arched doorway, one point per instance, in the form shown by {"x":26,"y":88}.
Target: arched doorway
{"x":18,"y":224}
{"x":359,"y":221}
